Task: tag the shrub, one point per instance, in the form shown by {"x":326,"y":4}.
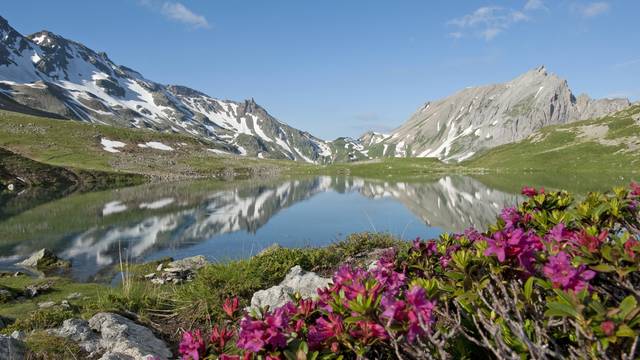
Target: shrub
{"x":552,"y":278}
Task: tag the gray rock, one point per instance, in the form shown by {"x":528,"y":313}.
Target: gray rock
{"x":191,"y":263}
{"x":46,"y":304}
{"x":12,"y":349}
{"x":122,"y":337}
{"x":38,"y":289}
{"x":5,"y":295}
{"x":297,"y":281}
{"x":75,"y":295}
{"x":44,"y":259}
{"x":78,"y":331}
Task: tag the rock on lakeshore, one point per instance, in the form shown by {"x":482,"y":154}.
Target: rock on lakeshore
{"x":115,"y":337}
{"x":305,"y":283}
{"x":44,"y":259}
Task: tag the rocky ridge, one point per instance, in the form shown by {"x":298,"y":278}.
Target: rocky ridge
{"x":47,"y":74}
{"x":464,"y":124}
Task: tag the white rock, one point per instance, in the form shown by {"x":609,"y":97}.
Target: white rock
{"x":297,"y":281}
{"x":46,"y":304}
{"x":190,"y":263}
{"x":122,"y":337}
{"x":114,"y":337}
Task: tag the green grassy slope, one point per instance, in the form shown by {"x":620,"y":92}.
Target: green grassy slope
{"x":77,"y":145}
{"x":608,"y":144}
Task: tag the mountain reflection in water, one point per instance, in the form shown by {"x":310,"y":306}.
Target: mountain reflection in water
{"x":238,"y":220}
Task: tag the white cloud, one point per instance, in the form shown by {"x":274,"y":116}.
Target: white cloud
{"x":487,"y":22}
{"x":532,"y":5}
{"x":176,"y":11}
{"x":592,"y":9}
{"x":627,"y":63}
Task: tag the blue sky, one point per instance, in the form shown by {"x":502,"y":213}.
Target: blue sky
{"x":340,"y":67}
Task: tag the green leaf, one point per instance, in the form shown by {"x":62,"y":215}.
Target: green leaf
{"x":560,"y":309}
{"x":603,"y":268}
{"x":625,"y":331}
{"x":627,"y":305}
{"x":528,"y":288}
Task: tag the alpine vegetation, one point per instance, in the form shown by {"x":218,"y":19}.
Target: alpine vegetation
{"x":552,"y":278}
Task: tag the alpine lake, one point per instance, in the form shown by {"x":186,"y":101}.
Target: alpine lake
{"x":232,"y":220}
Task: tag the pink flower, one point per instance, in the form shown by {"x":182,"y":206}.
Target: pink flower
{"x":192,"y":346}
{"x":608,"y":327}
{"x":592,"y":243}
{"x":511,"y":216}
{"x":220,"y":336}
{"x":325,"y":329}
{"x":631,"y":247}
{"x":266,"y":334}
{"x":369,"y":332}
{"x":563,"y":275}
{"x":229,"y":357}
{"x":529,"y":191}
{"x":415,"y":314}
{"x":230,"y":306}
{"x":635,"y":189}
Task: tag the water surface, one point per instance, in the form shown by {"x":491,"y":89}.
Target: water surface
{"x":237,"y":220}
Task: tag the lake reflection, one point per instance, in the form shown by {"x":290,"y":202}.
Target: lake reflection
{"x":228,"y":221}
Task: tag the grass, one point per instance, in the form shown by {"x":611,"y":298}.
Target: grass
{"x":35,"y":317}
{"x":565,"y":148}
{"x":44,"y":346}
{"x":74,"y":144}
{"x":196,"y":302}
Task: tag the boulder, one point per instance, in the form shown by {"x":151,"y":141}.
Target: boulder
{"x":298,"y":281}
{"x":44,"y":259}
{"x":177,"y":272}
{"x":122,"y":338}
{"x":112,"y":336}
{"x":78,"y":331}
{"x":5,"y":295}
{"x":12,"y":349}
{"x":46,"y":304}
{"x":38,"y":289}
{"x":191,"y":263}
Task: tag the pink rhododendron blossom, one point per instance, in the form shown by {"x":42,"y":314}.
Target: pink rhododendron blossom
{"x":230,"y":306}
{"x":192,"y":345}
{"x":325,"y":329}
{"x":564,"y":275}
{"x":510,"y":216}
{"x":369,"y":332}
{"x":268,"y":333}
{"x":608,"y":327}
{"x":631,"y":246}
{"x":592,"y":243}
{"x":220,"y":336}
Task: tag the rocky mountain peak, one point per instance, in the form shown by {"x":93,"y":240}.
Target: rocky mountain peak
{"x":47,"y":72}
{"x":478,"y":118}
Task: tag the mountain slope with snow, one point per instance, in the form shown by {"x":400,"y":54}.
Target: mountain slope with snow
{"x":44,"y":73}
{"x":479,"y":118}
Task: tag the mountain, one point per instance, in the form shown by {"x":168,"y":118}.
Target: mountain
{"x":480,"y":118}
{"x":606,"y":144}
{"x":47,"y":75}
